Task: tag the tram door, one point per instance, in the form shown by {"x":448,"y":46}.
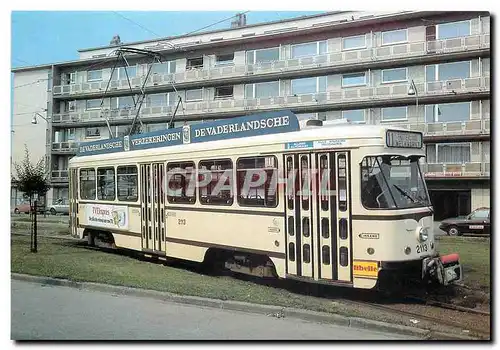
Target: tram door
{"x":318,"y":225}
{"x":73,"y":203}
{"x":152,"y":207}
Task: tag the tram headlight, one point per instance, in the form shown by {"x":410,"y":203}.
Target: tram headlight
{"x":423,"y":234}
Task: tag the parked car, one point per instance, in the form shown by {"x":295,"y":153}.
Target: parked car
{"x":25,"y":208}
{"x":477,"y":222}
{"x":58,"y":208}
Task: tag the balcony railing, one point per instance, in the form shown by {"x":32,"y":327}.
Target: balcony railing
{"x":331,"y":98}
{"x":335,"y":59}
{"x":470,"y":127}
{"x":471,"y":169}
{"x":69,"y":147}
{"x":59,"y":175}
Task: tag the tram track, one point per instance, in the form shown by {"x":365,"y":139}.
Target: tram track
{"x":433,"y":320}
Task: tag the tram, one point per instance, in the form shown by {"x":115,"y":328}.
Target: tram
{"x":264,"y":194}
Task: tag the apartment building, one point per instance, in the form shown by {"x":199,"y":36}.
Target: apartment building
{"x":425,"y":71}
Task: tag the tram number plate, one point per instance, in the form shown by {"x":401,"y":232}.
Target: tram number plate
{"x":421,"y":248}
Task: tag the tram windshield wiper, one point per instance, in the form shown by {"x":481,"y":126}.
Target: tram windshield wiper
{"x":404,"y":193}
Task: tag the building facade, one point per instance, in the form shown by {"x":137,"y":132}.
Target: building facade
{"x":425,"y":71}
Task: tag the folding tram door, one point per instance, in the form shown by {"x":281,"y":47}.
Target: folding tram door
{"x":152,"y":207}
{"x":318,"y":216}
{"x":73,"y":201}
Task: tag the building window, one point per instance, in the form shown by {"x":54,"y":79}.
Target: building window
{"x":70,"y":134}
{"x":308,"y":85}
{"x":216,"y":182}
{"x":448,"y":112}
{"x":94,"y":75}
{"x":121,"y":73}
{"x":126,"y":102}
{"x":226,"y":59}
{"x":394,"y":114}
{"x":263,"y":55}
{"x":395,"y":37}
{"x":173,"y":97}
{"x":257,"y":179}
{"x":262,"y":90}
{"x":87,"y":183}
{"x":92,"y":132}
{"x":194,"y":63}
{"x":309,"y":49}
{"x":353,"y":79}
{"x":106,"y":184}
{"x":453,"y":30}
{"x":93,"y":104}
{"x":453,"y":153}
{"x":194,"y":95}
{"x":394,"y":75}
{"x":163,"y":68}
{"x":127,"y":183}
{"x":486,"y":151}
{"x":122,"y":130}
{"x":156,"y":100}
{"x":355,"y":115}
{"x":181,"y":179}
{"x":60,"y":194}
{"x":448,"y":71}
{"x":70,"y":106}
{"x":354,"y":42}
{"x":157,"y":126}
{"x":222,"y":92}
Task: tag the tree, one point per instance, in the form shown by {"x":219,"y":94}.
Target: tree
{"x":31,"y":179}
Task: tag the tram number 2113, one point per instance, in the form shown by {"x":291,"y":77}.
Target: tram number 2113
{"x":421,"y":248}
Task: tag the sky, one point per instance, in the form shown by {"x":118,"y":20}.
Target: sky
{"x":40,"y":37}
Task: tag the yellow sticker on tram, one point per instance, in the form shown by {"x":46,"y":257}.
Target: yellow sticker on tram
{"x":365,"y":268}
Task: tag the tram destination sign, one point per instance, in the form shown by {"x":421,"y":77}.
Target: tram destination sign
{"x":404,"y":139}
{"x":231,"y":128}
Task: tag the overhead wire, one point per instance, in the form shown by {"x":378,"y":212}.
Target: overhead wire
{"x":138,"y":24}
{"x":213,"y":24}
{"x":110,"y":55}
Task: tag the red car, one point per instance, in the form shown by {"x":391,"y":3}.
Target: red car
{"x":25,"y":208}
{"x":477,"y":222}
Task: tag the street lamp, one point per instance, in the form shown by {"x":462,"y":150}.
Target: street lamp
{"x":413,"y":91}
{"x":34,"y":121}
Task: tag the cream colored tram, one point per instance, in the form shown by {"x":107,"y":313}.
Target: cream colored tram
{"x":374,"y":223}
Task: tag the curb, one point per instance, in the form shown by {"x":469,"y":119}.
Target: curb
{"x":269,"y":310}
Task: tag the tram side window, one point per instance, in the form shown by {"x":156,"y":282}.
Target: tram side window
{"x":87,"y":183}
{"x":126,"y":178}
{"x":257,"y":179}
{"x":106,"y":184}
{"x":216,"y":182}
{"x":181,"y":183}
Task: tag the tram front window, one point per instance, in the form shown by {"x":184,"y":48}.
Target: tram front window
{"x":392,"y":182}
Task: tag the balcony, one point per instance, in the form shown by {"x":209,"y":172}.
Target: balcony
{"x":65,"y":147}
{"x":446,"y":170}
{"x":332,"y":60}
{"x":59,"y":176}
{"x":470,"y":127}
{"x":360,"y":97}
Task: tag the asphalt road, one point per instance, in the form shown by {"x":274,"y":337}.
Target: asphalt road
{"x":62,"y":313}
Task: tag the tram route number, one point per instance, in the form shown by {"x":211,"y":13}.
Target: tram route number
{"x":421,"y":248}
{"x":181,"y":221}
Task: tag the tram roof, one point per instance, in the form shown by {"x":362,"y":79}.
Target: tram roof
{"x":281,"y":127}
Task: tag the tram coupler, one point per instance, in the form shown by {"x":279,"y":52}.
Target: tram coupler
{"x":442,"y":269}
